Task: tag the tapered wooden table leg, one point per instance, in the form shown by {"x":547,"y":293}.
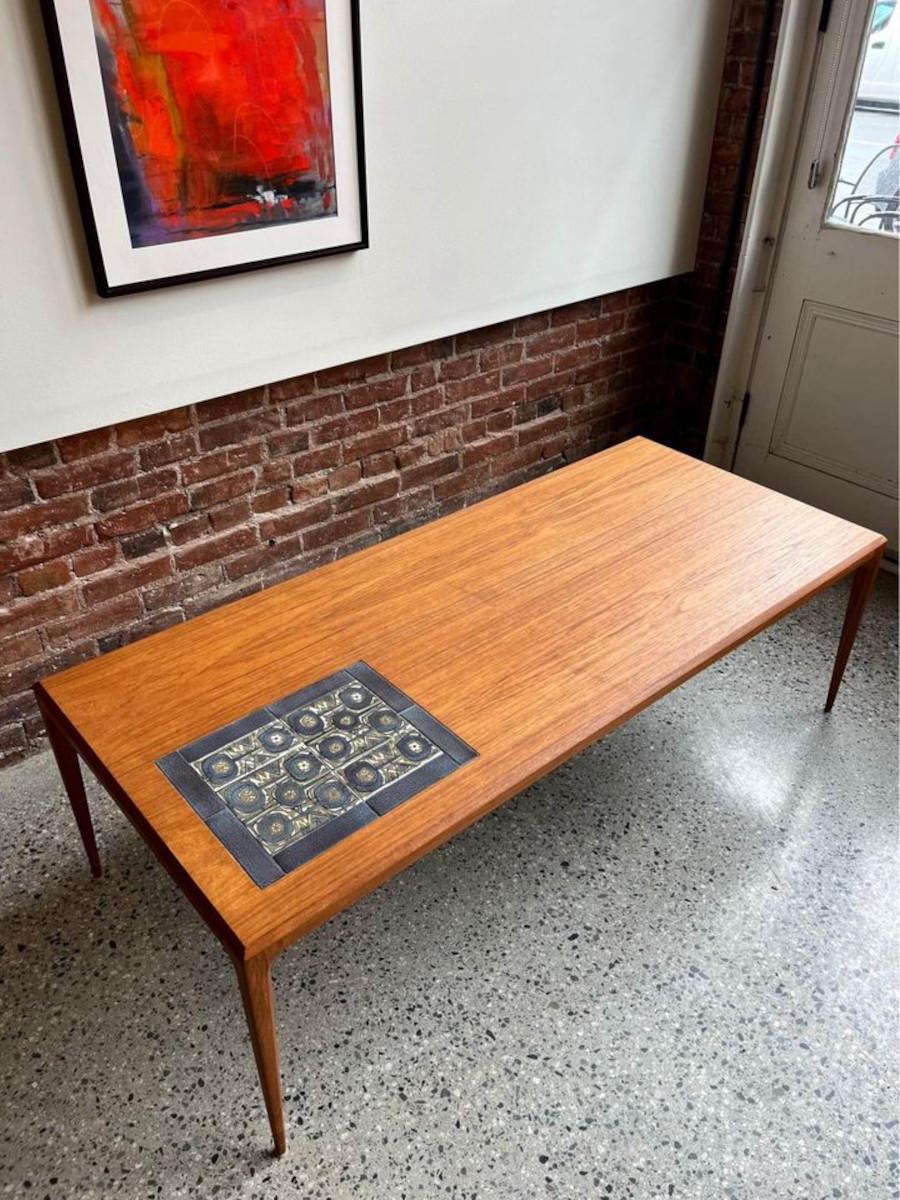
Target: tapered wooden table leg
{"x":863,"y":580}
{"x":255,"y":979}
{"x":70,"y":770}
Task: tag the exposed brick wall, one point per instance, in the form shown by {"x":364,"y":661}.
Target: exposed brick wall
{"x":116,"y":533}
{"x":699,"y":301}
{"x":113,"y":534}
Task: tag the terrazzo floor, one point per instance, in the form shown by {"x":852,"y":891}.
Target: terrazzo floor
{"x":668,"y":970}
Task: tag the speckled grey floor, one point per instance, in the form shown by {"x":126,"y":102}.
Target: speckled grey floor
{"x":669,"y":970}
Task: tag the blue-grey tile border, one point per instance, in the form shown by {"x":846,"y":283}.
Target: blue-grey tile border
{"x":442,"y":737}
{"x":229,"y":733}
{"x":195,"y":790}
{"x":262,"y":868}
{"x":380,"y":686}
{"x":410,"y":785}
{"x":306,"y":695}
{"x":325,"y":837}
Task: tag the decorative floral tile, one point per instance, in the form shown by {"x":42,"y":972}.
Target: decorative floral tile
{"x":308,"y":770}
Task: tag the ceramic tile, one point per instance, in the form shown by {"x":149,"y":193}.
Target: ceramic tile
{"x":289,"y":780}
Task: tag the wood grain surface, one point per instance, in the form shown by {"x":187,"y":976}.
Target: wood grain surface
{"x":530,"y":624}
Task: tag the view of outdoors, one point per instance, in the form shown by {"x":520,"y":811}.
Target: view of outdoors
{"x":868,"y":180}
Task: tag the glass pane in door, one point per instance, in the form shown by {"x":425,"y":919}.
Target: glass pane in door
{"x":866,"y":192}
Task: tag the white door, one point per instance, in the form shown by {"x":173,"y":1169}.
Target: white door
{"x":821,"y":417}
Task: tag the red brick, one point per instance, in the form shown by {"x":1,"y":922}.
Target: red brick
{"x":379,"y":464}
{"x":209,"y":549}
{"x":479,"y":451}
{"x":459,"y":368}
{"x":376,"y":393}
{"x":525,"y":326}
{"x":152,"y":428}
{"x":371,"y":443}
{"x":15,"y":491}
{"x":263,"y":556}
{"x":308,"y":489}
{"x":344,"y":476}
{"x":275,"y":471}
{"x":504,"y":355}
{"x":84,"y":445}
{"x":243,"y":429}
{"x":581,"y":356}
{"x":318,"y":460}
{"x":104,"y":618}
{"x":490,"y":335}
{"x":422,"y":377}
{"x":238,"y":512}
{"x":221,"y":463}
{"x":335,"y":531}
{"x":523,"y":456}
{"x":296,"y":518}
{"x":444,"y":418}
{"x":181,"y":587}
{"x":288,"y":441}
{"x":75,"y":477}
{"x":169,"y":450}
{"x":489,"y":404}
{"x":43,"y":578}
{"x":38,"y":548}
{"x":290,"y":389}
{"x":20,"y":649}
{"x":189,"y":528}
{"x":42,"y":516}
{"x":316,"y":408}
{"x":367,"y":493}
{"x":273,"y":498}
{"x":426,"y":352}
{"x":465,"y":389}
{"x":353,"y":372}
{"x":543,"y":430}
{"x":130,"y":491}
{"x":235,"y":404}
{"x":526,"y":371}
{"x":556,"y":338}
{"x":597,"y":327}
{"x":33,"y":612}
{"x":142,"y":516}
{"x":26,"y":458}
{"x":428,"y":472}
{"x":471,"y":480}
{"x":347,"y":426}
{"x":498,"y":421}
{"x":155,"y":624}
{"x":126,"y":579}
{"x":225,"y":487}
{"x":409,"y":454}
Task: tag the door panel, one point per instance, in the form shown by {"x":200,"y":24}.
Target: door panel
{"x":840,"y":354}
{"x":822,"y":418}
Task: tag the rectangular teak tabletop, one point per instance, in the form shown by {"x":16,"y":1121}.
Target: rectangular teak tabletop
{"x":528,"y":626}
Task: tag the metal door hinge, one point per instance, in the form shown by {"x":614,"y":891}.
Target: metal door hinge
{"x":815,"y":174}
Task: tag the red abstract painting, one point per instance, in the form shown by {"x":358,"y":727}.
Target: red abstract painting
{"x":220,"y":113}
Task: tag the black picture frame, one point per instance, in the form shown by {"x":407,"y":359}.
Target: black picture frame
{"x":92,"y":235}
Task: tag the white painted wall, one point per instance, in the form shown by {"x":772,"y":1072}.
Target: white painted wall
{"x":521,"y":154}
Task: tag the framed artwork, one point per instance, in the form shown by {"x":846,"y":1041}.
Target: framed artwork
{"x":210,"y":137}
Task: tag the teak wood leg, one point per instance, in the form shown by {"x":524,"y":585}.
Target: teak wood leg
{"x":255,"y":980}
{"x":70,"y":770}
{"x":863,"y":581}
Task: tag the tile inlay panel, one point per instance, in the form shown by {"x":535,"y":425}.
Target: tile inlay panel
{"x":289,"y":780}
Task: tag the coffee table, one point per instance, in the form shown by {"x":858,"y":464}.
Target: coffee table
{"x":287,"y":753}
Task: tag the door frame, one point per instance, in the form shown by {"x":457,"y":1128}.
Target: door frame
{"x":802,"y":47}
